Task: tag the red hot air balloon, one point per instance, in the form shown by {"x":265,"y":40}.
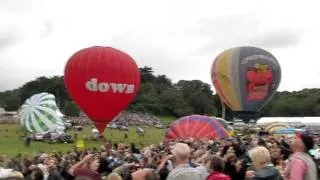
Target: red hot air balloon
{"x":102,"y":81}
{"x":196,"y":127}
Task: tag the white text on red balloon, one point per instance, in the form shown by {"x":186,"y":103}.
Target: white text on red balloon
{"x":94,"y":85}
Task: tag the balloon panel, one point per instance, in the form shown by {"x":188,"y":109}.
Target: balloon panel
{"x":245,"y":78}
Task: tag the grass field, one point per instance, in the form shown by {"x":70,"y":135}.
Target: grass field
{"x":167,"y":119}
{"x":11,"y":143}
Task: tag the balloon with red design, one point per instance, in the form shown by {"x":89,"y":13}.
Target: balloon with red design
{"x":245,"y":78}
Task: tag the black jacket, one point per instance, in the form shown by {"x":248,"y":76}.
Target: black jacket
{"x":267,"y":173}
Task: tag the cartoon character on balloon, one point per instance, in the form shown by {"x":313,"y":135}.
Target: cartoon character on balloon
{"x":259,"y":80}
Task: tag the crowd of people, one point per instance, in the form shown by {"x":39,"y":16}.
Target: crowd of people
{"x":125,"y":118}
{"x":136,"y":118}
{"x":245,"y":157}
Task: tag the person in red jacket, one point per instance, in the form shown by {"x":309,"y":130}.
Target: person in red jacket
{"x":217,"y":165}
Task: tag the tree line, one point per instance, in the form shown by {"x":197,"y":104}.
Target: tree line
{"x":159,"y":96}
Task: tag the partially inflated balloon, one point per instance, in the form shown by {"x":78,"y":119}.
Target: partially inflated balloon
{"x":102,"y":81}
{"x":196,"y":127}
{"x":245,"y":78}
{"x":40,"y":113}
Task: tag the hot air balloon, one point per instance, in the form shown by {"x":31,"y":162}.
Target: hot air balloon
{"x":102,"y":81}
{"x":245,"y":78}
{"x":224,"y":123}
{"x":196,"y":127}
{"x":39,"y":113}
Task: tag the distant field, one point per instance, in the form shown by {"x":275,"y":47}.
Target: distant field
{"x":11,"y":144}
{"x":167,"y":119}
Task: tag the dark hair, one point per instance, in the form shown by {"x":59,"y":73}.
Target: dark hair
{"x":38,"y":174}
{"x":307,"y":140}
{"x":217,"y":164}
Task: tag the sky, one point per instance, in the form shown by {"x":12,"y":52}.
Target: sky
{"x":178,"y":38}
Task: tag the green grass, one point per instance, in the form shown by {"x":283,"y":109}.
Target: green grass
{"x":167,"y":119}
{"x":11,"y":143}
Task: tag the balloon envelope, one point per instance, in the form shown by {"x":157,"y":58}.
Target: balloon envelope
{"x":102,"y":81}
{"x":39,"y":113}
{"x":224,"y":123}
{"x":245,"y":78}
{"x":196,"y":127}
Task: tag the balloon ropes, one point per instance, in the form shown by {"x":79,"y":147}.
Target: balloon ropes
{"x":40,"y":113}
{"x":196,"y":127}
{"x":245,"y":78}
{"x":102,"y":81}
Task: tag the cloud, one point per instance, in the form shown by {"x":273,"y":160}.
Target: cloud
{"x":278,"y":38}
{"x":241,"y":30}
{"x":6,"y":40}
{"x":227,"y":31}
{"x":21,"y":20}
{"x":179,"y":39}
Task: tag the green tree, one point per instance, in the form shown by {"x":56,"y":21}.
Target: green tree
{"x":173,"y":103}
{"x":146,"y":74}
{"x":71,"y":109}
{"x":10,"y":100}
{"x":198,"y":96}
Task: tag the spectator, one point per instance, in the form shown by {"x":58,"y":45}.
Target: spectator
{"x":261,"y":161}
{"x":124,"y":172}
{"x":182,"y":169}
{"x":217,"y":166}
{"x":301,"y":165}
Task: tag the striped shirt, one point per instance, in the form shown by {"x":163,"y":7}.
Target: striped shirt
{"x":184,"y":172}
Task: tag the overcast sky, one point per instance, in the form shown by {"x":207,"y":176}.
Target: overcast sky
{"x":179,"y":38}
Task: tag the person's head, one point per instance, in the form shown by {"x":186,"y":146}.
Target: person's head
{"x":181,"y":153}
{"x":217,"y":164}
{"x":51,"y":163}
{"x":36,"y":174}
{"x":260,"y":157}
{"x":145,"y":174}
{"x":303,"y":142}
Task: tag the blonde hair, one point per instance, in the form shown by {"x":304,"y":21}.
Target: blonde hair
{"x":181,"y":151}
{"x":260,"y":157}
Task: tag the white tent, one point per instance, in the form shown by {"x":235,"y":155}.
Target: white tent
{"x":291,"y":120}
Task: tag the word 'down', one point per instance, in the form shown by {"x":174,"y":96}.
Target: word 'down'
{"x":93,"y":85}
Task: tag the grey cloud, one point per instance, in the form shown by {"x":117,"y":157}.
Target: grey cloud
{"x":12,"y":32}
{"x":242,"y":29}
{"x":277,"y":38}
{"x":227,"y":31}
{"x":228,"y":25}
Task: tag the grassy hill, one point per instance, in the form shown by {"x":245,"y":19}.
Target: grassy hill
{"x":11,"y":143}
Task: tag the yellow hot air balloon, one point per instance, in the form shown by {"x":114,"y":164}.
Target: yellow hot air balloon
{"x":245,"y":78}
